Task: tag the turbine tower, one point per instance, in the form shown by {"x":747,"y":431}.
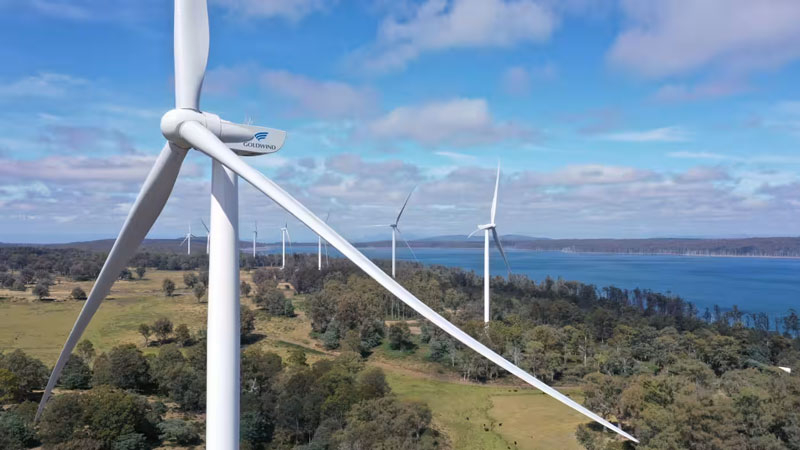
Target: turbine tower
{"x":395,"y":232}
{"x":187,"y":127}
{"x":208,"y":235}
{"x":284,"y":237}
{"x":319,"y":247}
{"x":188,"y":240}
{"x":487,"y":228}
{"x":255,"y":237}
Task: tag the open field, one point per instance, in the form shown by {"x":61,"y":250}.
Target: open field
{"x":528,"y":417}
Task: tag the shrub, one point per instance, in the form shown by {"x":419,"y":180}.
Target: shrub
{"x":168,"y":286}
{"x":179,"y":432}
{"x":182,"y":335}
{"x":77,"y":293}
{"x":41,"y":291}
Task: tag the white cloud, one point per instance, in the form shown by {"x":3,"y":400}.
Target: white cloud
{"x":665,"y":134}
{"x":43,"y":84}
{"x":293,"y":10}
{"x":671,"y":93}
{"x":326,"y":99}
{"x":118,"y":168}
{"x":460,"y":121}
{"x":674,"y":37}
{"x":437,"y":25}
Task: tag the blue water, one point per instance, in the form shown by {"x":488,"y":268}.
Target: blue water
{"x":767,"y":285}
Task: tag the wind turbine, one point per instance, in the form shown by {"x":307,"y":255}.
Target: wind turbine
{"x":396,"y":231}
{"x":208,"y":235}
{"x":188,"y":240}
{"x":319,"y":247}
{"x":284,"y":237}
{"x":187,"y":127}
{"x":255,"y":237}
{"x":487,"y":228}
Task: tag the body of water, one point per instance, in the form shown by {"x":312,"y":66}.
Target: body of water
{"x":770,"y":285}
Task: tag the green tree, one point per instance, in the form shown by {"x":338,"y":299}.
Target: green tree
{"x":399,"y":336}
{"x":140,"y":271}
{"x":30,"y":372}
{"x":162,"y":328}
{"x":11,"y":389}
{"x":388,"y":423}
{"x":41,"y":291}
{"x":245,"y":288}
{"x":85,"y":349}
{"x":178,"y":432}
{"x":247,"y":322}
{"x":77,"y":293}
{"x":16,"y":433}
{"x":146,"y":332}
{"x":124,"y":367}
{"x":182,"y":335}
{"x":76,"y":374}
{"x":190,"y":279}
{"x":168,"y":286}
{"x":199,"y":291}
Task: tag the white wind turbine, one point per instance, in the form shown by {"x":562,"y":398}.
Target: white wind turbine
{"x":396,"y":231}
{"x":284,"y":237}
{"x":255,"y":237}
{"x":188,"y":240}
{"x":487,"y":228}
{"x":320,"y":242}
{"x":187,"y":127}
{"x":208,"y":235}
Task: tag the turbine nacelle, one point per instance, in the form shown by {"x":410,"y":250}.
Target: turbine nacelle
{"x":245,"y":140}
{"x":488,"y":226}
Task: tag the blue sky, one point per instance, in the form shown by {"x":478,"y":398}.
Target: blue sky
{"x":610,"y":118}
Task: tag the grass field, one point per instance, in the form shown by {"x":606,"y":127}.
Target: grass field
{"x":527,"y":416}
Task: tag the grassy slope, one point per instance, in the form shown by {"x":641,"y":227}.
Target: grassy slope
{"x":528,"y":417}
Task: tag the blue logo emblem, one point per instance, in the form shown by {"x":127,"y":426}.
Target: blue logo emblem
{"x":261,"y":135}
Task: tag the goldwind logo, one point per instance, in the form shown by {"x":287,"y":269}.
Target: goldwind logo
{"x":260,"y":136}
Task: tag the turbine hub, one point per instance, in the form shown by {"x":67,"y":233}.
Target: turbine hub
{"x":488,"y":226}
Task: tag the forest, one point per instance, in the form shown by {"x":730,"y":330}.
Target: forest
{"x":673,"y":376}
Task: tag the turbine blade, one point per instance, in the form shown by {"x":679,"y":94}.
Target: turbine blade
{"x":204,"y":225}
{"x":494,"y":200}
{"x":500,"y":247}
{"x":325,"y":244}
{"x":184,"y":240}
{"x":204,"y":140}
{"x":407,"y":244}
{"x":404,"y":206}
{"x":327,"y":216}
{"x":151,"y":200}
{"x":191,"y":51}
{"x":473,"y":233}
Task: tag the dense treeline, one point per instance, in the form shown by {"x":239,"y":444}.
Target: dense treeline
{"x":674,"y":377}
{"x":334,"y":403}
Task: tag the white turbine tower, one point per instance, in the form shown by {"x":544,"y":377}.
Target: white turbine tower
{"x":208,"y":235}
{"x":395,"y":232}
{"x":487,"y":228}
{"x":319,"y":247}
{"x":255,"y":237}
{"x":188,"y":240}
{"x":284,"y":237}
{"x":188,"y":127}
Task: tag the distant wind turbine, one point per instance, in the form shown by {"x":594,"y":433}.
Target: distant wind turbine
{"x":396,"y":231}
{"x":188,"y":240}
{"x":490,"y":227}
{"x":255,"y":237}
{"x":284,"y":237}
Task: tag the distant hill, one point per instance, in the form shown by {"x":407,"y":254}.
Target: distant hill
{"x":764,"y":247}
